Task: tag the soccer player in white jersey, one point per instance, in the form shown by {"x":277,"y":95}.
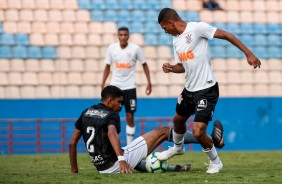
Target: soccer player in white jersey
{"x":200,"y":94}
{"x":123,"y":56}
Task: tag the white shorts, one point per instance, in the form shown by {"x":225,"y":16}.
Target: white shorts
{"x":136,"y":151}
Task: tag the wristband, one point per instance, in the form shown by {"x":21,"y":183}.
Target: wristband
{"x":121,"y":158}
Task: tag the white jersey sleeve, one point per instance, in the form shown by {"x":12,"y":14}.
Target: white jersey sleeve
{"x":108,"y":58}
{"x":140,"y":55}
{"x":206,"y":30}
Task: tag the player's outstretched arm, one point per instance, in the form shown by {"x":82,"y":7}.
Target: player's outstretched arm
{"x":114,"y":139}
{"x":105,"y":75}
{"x":251,"y":58}
{"x":72,"y":150}
{"x":147,"y":73}
{"x":178,"y":68}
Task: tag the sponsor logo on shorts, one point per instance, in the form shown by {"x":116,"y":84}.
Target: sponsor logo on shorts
{"x":179,"y":100}
{"x":202,"y":103}
{"x":132,"y":104}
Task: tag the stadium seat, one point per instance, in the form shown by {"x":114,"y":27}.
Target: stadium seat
{"x":165,"y":3}
{"x":72,"y":91}
{"x":71,"y":5}
{"x":54,"y":15}
{"x":137,"y":27}
{"x":259,"y":5}
{"x":232,"y":5}
{"x":124,"y":15}
{"x":31,"y":65}
{"x":97,"y":15}
{"x":150,"y":52}
{"x":12,"y":15}
{"x":274,"y":39}
{"x":12,"y":92}
{"x":74,"y":78}
{"x":260,"y":17}
{"x":274,"y":52}
{"x":153,"y":5}
{"x":4,"y":65}
{"x":67,"y":27}
{"x":247,"y":28}
{"x":81,"y":27}
{"x":163,"y":52}
{"x":220,"y":16}
{"x":174,"y":90}
{"x":59,"y":78}
{"x":108,"y":39}
{"x":7,"y":39}
{"x":151,"y":16}
{"x":151,"y":27}
{"x":248,"y":77}
{"x":137,"y":38}
{"x":218,"y":52}
{"x":23,"y":27}
{"x":83,"y":16}
{"x":275,"y":90}
{"x":68,"y":15}
{"x":112,"y":4}
{"x":62,"y":65}
{"x":76,"y":65}
{"x":96,"y":27}
{"x":84,"y":4}
{"x":27,"y":91}
{"x":274,"y":28}
{"x":26,"y":15}
{"x":57,"y":91}
{"x":78,"y":52}
{"x":234,"y":64}
{"x":138,"y":15}
{"x":111,"y":15}
{"x":28,"y":4}
{"x":275,"y":77}
{"x":260,"y":28}
{"x":233,"y":28}
{"x":34,"y":52}
{"x":15,"y":78}
{"x":19,"y":52}
{"x":49,"y":52}
{"x":90,"y":78}
{"x":88,"y":91}
{"x":22,"y":39}
{"x":206,"y":16}
{"x":260,"y":39}
{"x":233,"y":17}
{"x":233,"y":90}
{"x":165,"y":39}
{"x":3,"y":78}
{"x":193,"y":16}
{"x":247,"y":90}
{"x":219,"y":64}
{"x":94,"y":39}
{"x":1,"y":28}
{"x":29,"y":78}
{"x":40,"y":15}
{"x":10,"y":27}
{"x":274,"y":64}
{"x":109,"y":27}
{"x":125,"y":5}
{"x":80,"y":39}
{"x":151,"y":39}
{"x":51,"y":39}
{"x":247,"y":39}
{"x":140,"y":5}
{"x":45,"y":78}
{"x":5,"y":52}
{"x":42,"y":92}
{"x":37,"y":39}
{"x":97,"y":4}
{"x":261,"y":77}
{"x":261,"y":52}
{"x":54,"y":27}
{"x":180,"y":5}
{"x":221,"y":77}
{"x":261,"y":90}
{"x":17,"y":65}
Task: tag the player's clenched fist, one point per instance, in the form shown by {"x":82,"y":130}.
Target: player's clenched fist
{"x":167,"y":67}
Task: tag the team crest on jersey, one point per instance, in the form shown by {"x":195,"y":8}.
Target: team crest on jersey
{"x":188,"y":38}
{"x":93,"y":112}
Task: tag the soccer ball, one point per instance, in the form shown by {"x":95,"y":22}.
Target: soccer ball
{"x":153,"y":165}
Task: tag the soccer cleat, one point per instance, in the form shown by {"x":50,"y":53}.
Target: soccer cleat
{"x":165,"y":155}
{"x":182,"y":168}
{"x":217,"y":134}
{"x":214,"y":168}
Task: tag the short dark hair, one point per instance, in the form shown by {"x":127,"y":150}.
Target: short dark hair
{"x":166,"y":14}
{"x":111,"y":91}
{"x":123,"y":28}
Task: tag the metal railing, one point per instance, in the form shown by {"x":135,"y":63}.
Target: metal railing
{"x":31,"y":136}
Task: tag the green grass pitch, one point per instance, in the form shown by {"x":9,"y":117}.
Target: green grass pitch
{"x":239,"y":167}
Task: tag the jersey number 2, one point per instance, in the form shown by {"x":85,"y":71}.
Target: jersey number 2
{"x":90,"y":147}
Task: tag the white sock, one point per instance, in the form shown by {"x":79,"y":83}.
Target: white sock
{"x":130,"y":131}
{"x":178,"y":140}
{"x":212,"y":155}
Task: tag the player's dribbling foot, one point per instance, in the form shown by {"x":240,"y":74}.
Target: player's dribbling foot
{"x":214,"y":168}
{"x":182,"y":168}
{"x":165,"y":155}
{"x":217,"y":134}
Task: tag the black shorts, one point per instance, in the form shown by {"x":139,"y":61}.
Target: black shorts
{"x":129,"y":100}
{"x":201,"y":103}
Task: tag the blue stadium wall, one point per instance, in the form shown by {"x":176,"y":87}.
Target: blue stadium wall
{"x":250,"y":123}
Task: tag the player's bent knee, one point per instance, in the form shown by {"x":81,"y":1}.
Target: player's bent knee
{"x":198,"y":134}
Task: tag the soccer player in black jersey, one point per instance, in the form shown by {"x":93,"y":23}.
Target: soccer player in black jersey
{"x":99,"y":125}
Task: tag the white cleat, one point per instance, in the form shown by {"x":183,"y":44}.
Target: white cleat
{"x":214,"y":168}
{"x":165,"y":155}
